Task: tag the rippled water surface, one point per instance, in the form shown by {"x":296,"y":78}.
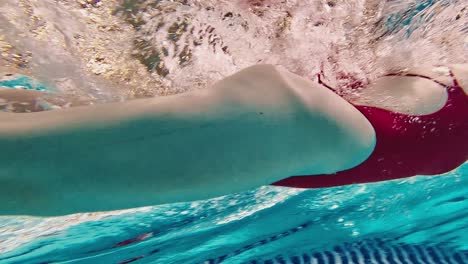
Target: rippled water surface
{"x":263,"y":224}
{"x":86,"y":52}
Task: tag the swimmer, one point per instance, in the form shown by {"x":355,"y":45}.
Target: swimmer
{"x":260,"y":126}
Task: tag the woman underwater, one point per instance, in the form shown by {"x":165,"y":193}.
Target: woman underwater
{"x":260,"y":126}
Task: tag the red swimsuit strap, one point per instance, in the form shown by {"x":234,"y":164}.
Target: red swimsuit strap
{"x":406,"y":145}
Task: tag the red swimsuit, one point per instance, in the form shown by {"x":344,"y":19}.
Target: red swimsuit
{"x":406,"y":145}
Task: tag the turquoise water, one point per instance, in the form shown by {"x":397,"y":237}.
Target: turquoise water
{"x":417,"y":220}
{"x":411,"y":18}
{"x":23,"y":82}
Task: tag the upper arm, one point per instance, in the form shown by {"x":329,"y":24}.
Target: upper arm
{"x":251,"y":129}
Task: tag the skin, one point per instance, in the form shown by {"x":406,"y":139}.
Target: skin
{"x":408,"y":95}
{"x":256,"y":127}
{"x":250,"y":129}
{"x":413,"y":95}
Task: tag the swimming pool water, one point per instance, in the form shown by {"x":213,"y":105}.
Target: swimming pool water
{"x":417,"y":220}
{"x":22,"y":82}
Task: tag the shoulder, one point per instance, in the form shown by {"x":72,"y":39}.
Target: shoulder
{"x":268,"y":85}
{"x":331,"y":128}
{"x":417,"y":91}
